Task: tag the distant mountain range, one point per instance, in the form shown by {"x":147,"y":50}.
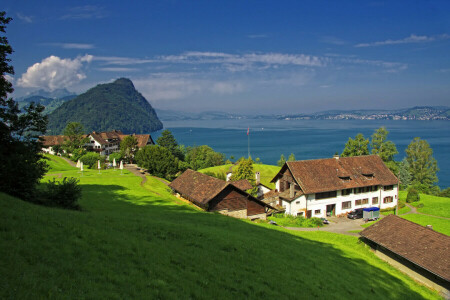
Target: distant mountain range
{"x":116,"y":105}
{"x":51,"y":100}
{"x":414,"y":113}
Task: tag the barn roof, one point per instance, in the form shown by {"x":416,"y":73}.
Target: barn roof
{"x":330,"y":174}
{"x":52,"y":140}
{"x":242,"y":184}
{"x":420,"y":245}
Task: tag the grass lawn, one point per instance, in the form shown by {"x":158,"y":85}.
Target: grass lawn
{"x":57,"y":164}
{"x":439,"y":225}
{"x":132,"y":241}
{"x":267,"y":172}
{"x":401,"y":211}
{"x":432,"y":205}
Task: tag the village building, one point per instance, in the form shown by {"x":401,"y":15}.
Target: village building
{"x":416,"y":250}
{"x":333,"y":186}
{"x":216,"y":195}
{"x":104,"y":143}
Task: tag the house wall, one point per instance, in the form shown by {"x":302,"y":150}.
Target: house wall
{"x":228,"y":199}
{"x":254,"y":208}
{"x":262,"y":190}
{"x":309,"y":202}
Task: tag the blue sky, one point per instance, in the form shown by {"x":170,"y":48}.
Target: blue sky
{"x":239,"y":56}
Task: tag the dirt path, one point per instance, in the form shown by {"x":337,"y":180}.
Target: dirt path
{"x":414,"y":211}
{"x":133,"y":169}
{"x":69,"y":161}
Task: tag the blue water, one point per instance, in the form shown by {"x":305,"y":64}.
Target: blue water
{"x":308,"y":139}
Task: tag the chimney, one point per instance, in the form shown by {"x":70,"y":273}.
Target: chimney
{"x":430,"y":227}
{"x":336,"y":156}
{"x":291,"y":191}
{"x":258,"y":178}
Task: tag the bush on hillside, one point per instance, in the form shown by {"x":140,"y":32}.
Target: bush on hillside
{"x":445,"y":193}
{"x":117,"y":156}
{"x":64,"y":194}
{"x":91,"y":160}
{"x":289,"y":220}
{"x":413,"y":195}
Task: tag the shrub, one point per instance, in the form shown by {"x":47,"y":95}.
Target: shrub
{"x":420,"y":205}
{"x":90,"y":159}
{"x":413,"y":195}
{"x":445,"y":193}
{"x":63,"y":193}
{"x":117,"y":156}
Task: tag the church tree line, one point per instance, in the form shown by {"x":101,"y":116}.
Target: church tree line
{"x":167,"y":158}
{"x":418,"y":169}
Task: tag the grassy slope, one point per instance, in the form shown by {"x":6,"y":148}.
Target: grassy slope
{"x":267,"y":172}
{"x":432,"y":205}
{"x":439,"y":225}
{"x":140,"y":242}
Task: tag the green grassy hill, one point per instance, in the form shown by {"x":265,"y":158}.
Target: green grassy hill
{"x":134,"y":241}
{"x":267,"y":172}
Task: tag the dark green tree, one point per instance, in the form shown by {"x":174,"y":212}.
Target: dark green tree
{"x":158,"y":160}
{"x":128,"y":148}
{"x":404,"y":174}
{"x":282,"y":160}
{"x":168,"y":141}
{"x":422,"y":165}
{"x":203,"y":157}
{"x":75,"y":140}
{"x":244,"y":170}
{"x":21,"y":162}
{"x":356,"y":147}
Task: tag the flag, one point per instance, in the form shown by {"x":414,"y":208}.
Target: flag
{"x":248,"y":131}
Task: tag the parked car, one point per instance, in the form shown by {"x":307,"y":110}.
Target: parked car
{"x":325,"y":221}
{"x":355,"y":214}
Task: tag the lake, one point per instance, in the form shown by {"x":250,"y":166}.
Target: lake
{"x":308,"y":139}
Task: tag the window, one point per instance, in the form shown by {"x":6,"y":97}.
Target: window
{"x":388,"y":187}
{"x":375,"y":200}
{"x":317,"y":212}
{"x":374,"y":188}
{"x":365,"y":201}
{"x":347,"y":205}
{"x":300,"y":214}
{"x":326,"y":195}
{"x":346,"y":192}
{"x":358,"y":202}
{"x":389,"y":199}
{"x":297,"y":202}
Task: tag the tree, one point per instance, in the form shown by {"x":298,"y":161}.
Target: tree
{"x":167,"y":140}
{"x":158,"y":160}
{"x":291,"y":157}
{"x":282,"y":160}
{"x":356,"y":147}
{"x":21,"y":162}
{"x":244,"y":170}
{"x":75,"y":142}
{"x":422,"y":165}
{"x":381,"y":146}
{"x":128,"y":148}
{"x":404,"y":175}
{"x":203,"y":157}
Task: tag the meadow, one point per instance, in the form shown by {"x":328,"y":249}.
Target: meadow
{"x":138,"y":241}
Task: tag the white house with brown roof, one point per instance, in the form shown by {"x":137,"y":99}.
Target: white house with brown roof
{"x":335,"y":186}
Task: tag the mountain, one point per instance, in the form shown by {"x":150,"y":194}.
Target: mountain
{"x":58,"y":93}
{"x":116,"y":105}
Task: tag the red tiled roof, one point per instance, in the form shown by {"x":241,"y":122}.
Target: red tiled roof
{"x":322,"y":175}
{"x":197,"y":186}
{"x":420,"y":245}
{"x":144,"y":139}
{"x":52,"y":140}
{"x":242,"y":184}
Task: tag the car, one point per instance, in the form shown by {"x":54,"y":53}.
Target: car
{"x":355,"y":214}
{"x":325,"y":221}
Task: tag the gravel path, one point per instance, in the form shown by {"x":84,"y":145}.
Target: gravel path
{"x":337,"y":225}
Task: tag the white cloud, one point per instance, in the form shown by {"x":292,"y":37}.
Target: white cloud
{"x":53,"y":73}
{"x":408,"y":40}
{"x":74,"y":46}
{"x":122,"y":61}
{"x":119,"y":69}
{"x":9,"y":78}
{"x":24,"y":18}
{"x":84,"y":12}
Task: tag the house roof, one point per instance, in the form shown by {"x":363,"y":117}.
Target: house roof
{"x":52,"y":140}
{"x":420,"y":245}
{"x":242,"y":184}
{"x":202,"y":188}
{"x":330,"y":174}
{"x":144,"y":139}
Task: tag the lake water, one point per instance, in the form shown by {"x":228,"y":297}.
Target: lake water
{"x":308,"y":139}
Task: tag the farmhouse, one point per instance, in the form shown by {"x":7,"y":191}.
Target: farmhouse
{"x":212,"y":194}
{"x":334,"y":186}
{"x":416,"y":250}
{"x":104,"y":143}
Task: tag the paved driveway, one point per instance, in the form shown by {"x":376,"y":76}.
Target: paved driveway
{"x":337,"y":225}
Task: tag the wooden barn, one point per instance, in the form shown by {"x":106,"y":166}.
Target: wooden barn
{"x":212,"y":194}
